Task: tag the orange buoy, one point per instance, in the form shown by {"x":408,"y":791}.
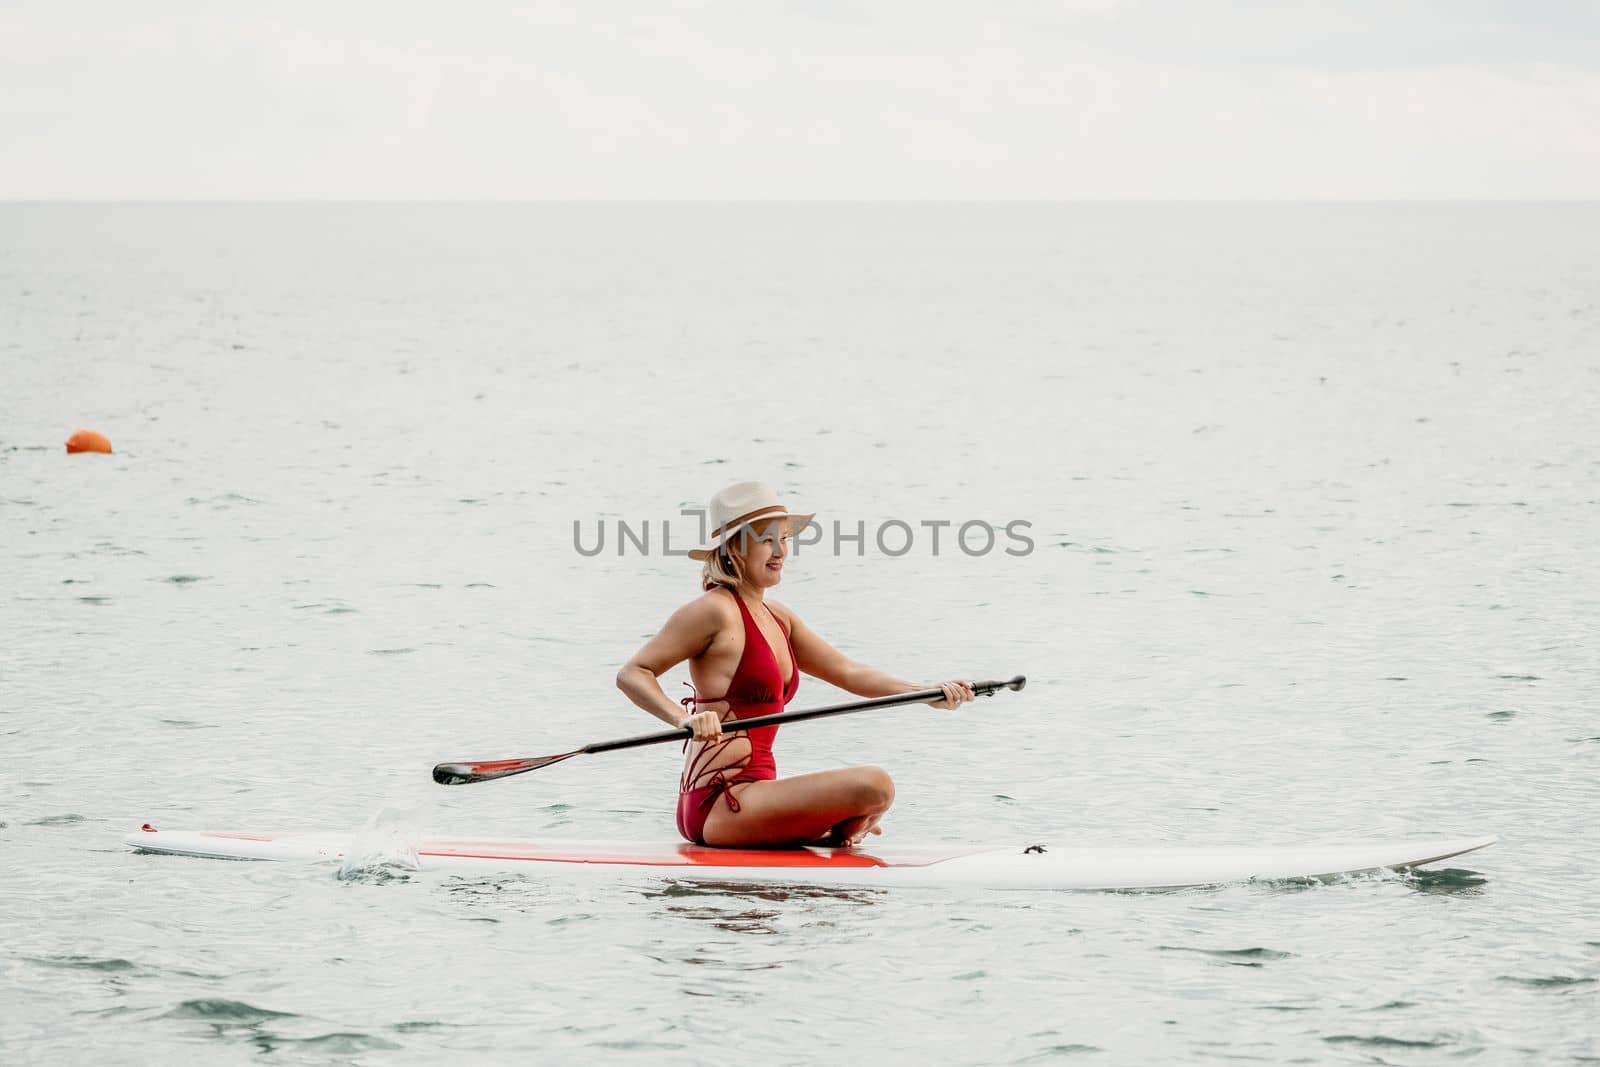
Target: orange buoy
{"x":88,"y":441}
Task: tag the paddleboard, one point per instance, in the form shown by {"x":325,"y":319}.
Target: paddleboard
{"x":1023,"y":866}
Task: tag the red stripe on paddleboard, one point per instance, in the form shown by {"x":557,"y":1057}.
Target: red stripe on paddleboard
{"x":681,"y":856}
{"x":688,"y":856}
{"x":239,"y":837}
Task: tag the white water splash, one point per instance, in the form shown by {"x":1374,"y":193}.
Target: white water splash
{"x":385,"y":846}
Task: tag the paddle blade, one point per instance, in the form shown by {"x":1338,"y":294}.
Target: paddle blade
{"x":489,"y":770}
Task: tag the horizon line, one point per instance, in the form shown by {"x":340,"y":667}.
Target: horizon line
{"x":762,"y":201}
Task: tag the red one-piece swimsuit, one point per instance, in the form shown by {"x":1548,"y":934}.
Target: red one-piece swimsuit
{"x":757,"y":689}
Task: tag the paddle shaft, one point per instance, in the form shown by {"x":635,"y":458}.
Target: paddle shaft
{"x":921,"y":696}
{"x":467,"y":772}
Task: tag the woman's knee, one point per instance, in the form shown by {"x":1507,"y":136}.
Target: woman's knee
{"x":875,"y":788}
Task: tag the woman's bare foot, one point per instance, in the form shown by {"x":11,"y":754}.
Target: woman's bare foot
{"x":852,"y":832}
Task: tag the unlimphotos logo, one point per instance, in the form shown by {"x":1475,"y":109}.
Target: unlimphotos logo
{"x":891,"y":537}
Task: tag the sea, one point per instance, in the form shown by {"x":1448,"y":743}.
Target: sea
{"x":1287,"y":512}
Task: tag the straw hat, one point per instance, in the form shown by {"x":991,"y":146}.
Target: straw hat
{"x":739,"y":505}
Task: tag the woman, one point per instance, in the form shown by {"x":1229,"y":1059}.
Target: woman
{"x":752,"y":650}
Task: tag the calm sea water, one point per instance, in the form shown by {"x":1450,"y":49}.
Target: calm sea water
{"x":1313,"y":499}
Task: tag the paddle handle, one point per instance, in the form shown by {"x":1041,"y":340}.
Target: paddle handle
{"x":921,"y":696}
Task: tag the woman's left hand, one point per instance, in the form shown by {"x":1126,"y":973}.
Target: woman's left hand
{"x":955,"y":693}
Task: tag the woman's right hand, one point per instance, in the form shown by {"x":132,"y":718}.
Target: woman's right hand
{"x":956,"y":693}
{"x":707,"y":722}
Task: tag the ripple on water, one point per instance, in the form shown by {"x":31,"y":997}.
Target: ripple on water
{"x":335,"y":1044}
{"x":104,"y":964}
{"x":515,"y":893}
{"x":1384,"y":1041}
{"x":773,"y":893}
{"x":225,"y":1012}
{"x":1446,"y":880}
{"x":222,"y":502}
{"x":1234,"y":957}
{"x":1555,"y":981}
{"x":1054,"y":1051}
{"x":415,"y":1026}
{"x":380,"y":872}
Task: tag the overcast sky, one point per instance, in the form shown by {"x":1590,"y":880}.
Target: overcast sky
{"x":783,"y":99}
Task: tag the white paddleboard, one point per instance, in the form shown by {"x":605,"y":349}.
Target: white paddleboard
{"x":1039,"y":866}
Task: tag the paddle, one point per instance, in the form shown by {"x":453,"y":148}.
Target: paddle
{"x":488,"y":770}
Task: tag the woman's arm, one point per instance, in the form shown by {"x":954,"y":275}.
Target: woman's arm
{"x":821,"y":660}
{"x":686,"y":634}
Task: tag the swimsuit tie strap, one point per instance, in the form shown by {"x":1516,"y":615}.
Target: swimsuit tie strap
{"x":689,"y":703}
{"x":719,"y":781}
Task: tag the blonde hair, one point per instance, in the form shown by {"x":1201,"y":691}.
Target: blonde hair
{"x":713,"y":573}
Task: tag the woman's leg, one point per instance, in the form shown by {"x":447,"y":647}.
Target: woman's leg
{"x":803,"y":809}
